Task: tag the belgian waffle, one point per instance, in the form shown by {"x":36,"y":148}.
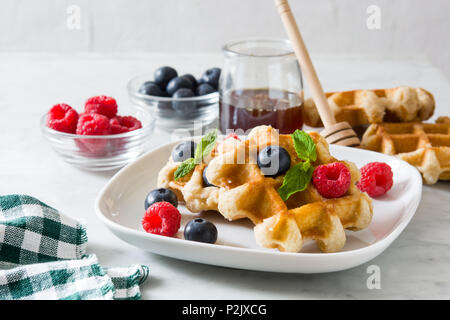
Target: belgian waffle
{"x":424,"y":145}
{"x":190,"y":189}
{"x":363,"y":107}
{"x":244,"y":192}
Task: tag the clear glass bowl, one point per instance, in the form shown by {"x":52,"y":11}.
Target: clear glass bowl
{"x":171,"y":113}
{"x":100,"y":153}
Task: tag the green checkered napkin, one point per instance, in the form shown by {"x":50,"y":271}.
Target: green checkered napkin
{"x":43,"y":254}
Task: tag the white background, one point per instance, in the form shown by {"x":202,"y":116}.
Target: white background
{"x":408,"y":27}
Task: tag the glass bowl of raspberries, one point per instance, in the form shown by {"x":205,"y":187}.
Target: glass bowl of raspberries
{"x":178,"y":101}
{"x":98,"y":138}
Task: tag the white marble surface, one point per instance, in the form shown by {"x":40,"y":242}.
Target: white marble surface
{"x":417,"y":265}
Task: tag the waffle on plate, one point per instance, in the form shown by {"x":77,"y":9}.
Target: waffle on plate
{"x":242,"y":191}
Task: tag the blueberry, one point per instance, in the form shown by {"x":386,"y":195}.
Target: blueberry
{"x":159,"y":195}
{"x":212,"y":76}
{"x":205,"y":180}
{"x":163,"y":75}
{"x":192,"y":79}
{"x":204,"y":89}
{"x":152,"y":89}
{"x":165,"y":109}
{"x":183,"y":151}
{"x":200,"y":230}
{"x":185,"y":108}
{"x":183,"y":93}
{"x":178,"y":83}
{"x":273,"y":160}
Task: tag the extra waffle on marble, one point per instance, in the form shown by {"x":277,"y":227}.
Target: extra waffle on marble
{"x":244,"y":192}
{"x":423,"y":145}
{"x":363,"y":107}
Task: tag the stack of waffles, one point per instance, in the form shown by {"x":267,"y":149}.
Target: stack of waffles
{"x":242,"y":191}
{"x":363,"y":107}
{"x":391,"y":123}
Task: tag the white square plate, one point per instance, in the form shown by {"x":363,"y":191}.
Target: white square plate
{"x":120,"y":206}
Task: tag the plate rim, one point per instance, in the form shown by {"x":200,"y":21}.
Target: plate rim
{"x":371,"y":248}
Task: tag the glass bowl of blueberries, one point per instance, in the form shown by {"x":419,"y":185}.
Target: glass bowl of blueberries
{"x":177,"y":101}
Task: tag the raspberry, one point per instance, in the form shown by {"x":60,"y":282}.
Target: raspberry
{"x":96,"y":125}
{"x":104,"y":105}
{"x":232,"y":135}
{"x":332,"y":180}
{"x":121,"y":124}
{"x":93,"y":124}
{"x":376,"y":179}
{"x":62,"y":117}
{"x":162,"y":218}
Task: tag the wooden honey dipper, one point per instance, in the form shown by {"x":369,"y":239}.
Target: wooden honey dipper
{"x":338,"y":133}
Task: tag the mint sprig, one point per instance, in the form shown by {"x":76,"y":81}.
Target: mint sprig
{"x":304,"y":146}
{"x":202,"y":150}
{"x":296,"y":179}
{"x":205,"y":146}
{"x":298,"y":176}
{"x":184,"y":168}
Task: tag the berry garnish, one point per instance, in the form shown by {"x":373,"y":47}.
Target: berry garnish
{"x":273,"y":160}
{"x":211,"y":76}
{"x":162,"y":218}
{"x":62,"y":117}
{"x":204,"y":89}
{"x":298,"y":176}
{"x":198,"y":153}
{"x":152,"y":89}
{"x":233,"y":136}
{"x":159,"y":195}
{"x":93,"y":124}
{"x":163,"y":75}
{"x":178,"y":83}
{"x":104,"y":105}
{"x":376,"y":179}
{"x":121,"y":124}
{"x":200,"y":230}
{"x":205,"y":180}
{"x":183,"y":151}
{"x":331,"y":180}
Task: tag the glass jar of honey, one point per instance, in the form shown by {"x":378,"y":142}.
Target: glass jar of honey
{"x":261,"y":84}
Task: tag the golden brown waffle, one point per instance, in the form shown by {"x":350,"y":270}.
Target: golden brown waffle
{"x":362,"y":107}
{"x":190,"y":189}
{"x":423,"y":145}
{"x":443,"y":119}
{"x":244,"y":192}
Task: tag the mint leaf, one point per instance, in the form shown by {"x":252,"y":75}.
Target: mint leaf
{"x":205,"y":146}
{"x":304,"y":146}
{"x":202,"y":150}
{"x":184,"y":168}
{"x":296,"y":179}
{"x":298,"y":176}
